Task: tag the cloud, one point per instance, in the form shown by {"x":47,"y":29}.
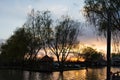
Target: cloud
{"x":58,"y":10}
{"x":29,"y":8}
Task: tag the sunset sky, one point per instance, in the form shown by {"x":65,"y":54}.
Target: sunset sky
{"x":13,"y":14}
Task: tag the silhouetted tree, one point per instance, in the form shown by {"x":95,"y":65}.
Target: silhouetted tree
{"x":39,"y":25}
{"x":16,"y":46}
{"x":91,"y":55}
{"x":97,"y":10}
{"x":47,"y":30}
{"x":115,"y":55}
{"x":65,"y":35}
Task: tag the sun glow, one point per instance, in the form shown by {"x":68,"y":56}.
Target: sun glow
{"x":77,"y":49}
{"x":99,"y":46}
{"x":74,"y":59}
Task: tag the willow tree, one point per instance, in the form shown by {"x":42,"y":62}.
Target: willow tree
{"x":65,"y":35}
{"x":105,"y":14}
{"x":96,"y":11}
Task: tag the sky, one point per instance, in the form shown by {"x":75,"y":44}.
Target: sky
{"x":13,"y":14}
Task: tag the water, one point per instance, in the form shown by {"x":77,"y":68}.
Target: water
{"x":90,"y":74}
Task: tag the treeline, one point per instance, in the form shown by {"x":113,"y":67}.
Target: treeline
{"x":40,"y":31}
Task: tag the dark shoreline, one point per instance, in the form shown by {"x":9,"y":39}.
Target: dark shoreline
{"x":49,"y":71}
{"x":38,"y":70}
{"x":49,"y":66}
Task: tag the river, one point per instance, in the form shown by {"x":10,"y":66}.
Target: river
{"x":83,"y":74}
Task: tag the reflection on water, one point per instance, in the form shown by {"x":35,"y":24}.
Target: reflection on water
{"x":91,"y":74}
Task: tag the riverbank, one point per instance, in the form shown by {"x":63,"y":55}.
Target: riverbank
{"x":42,"y":66}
